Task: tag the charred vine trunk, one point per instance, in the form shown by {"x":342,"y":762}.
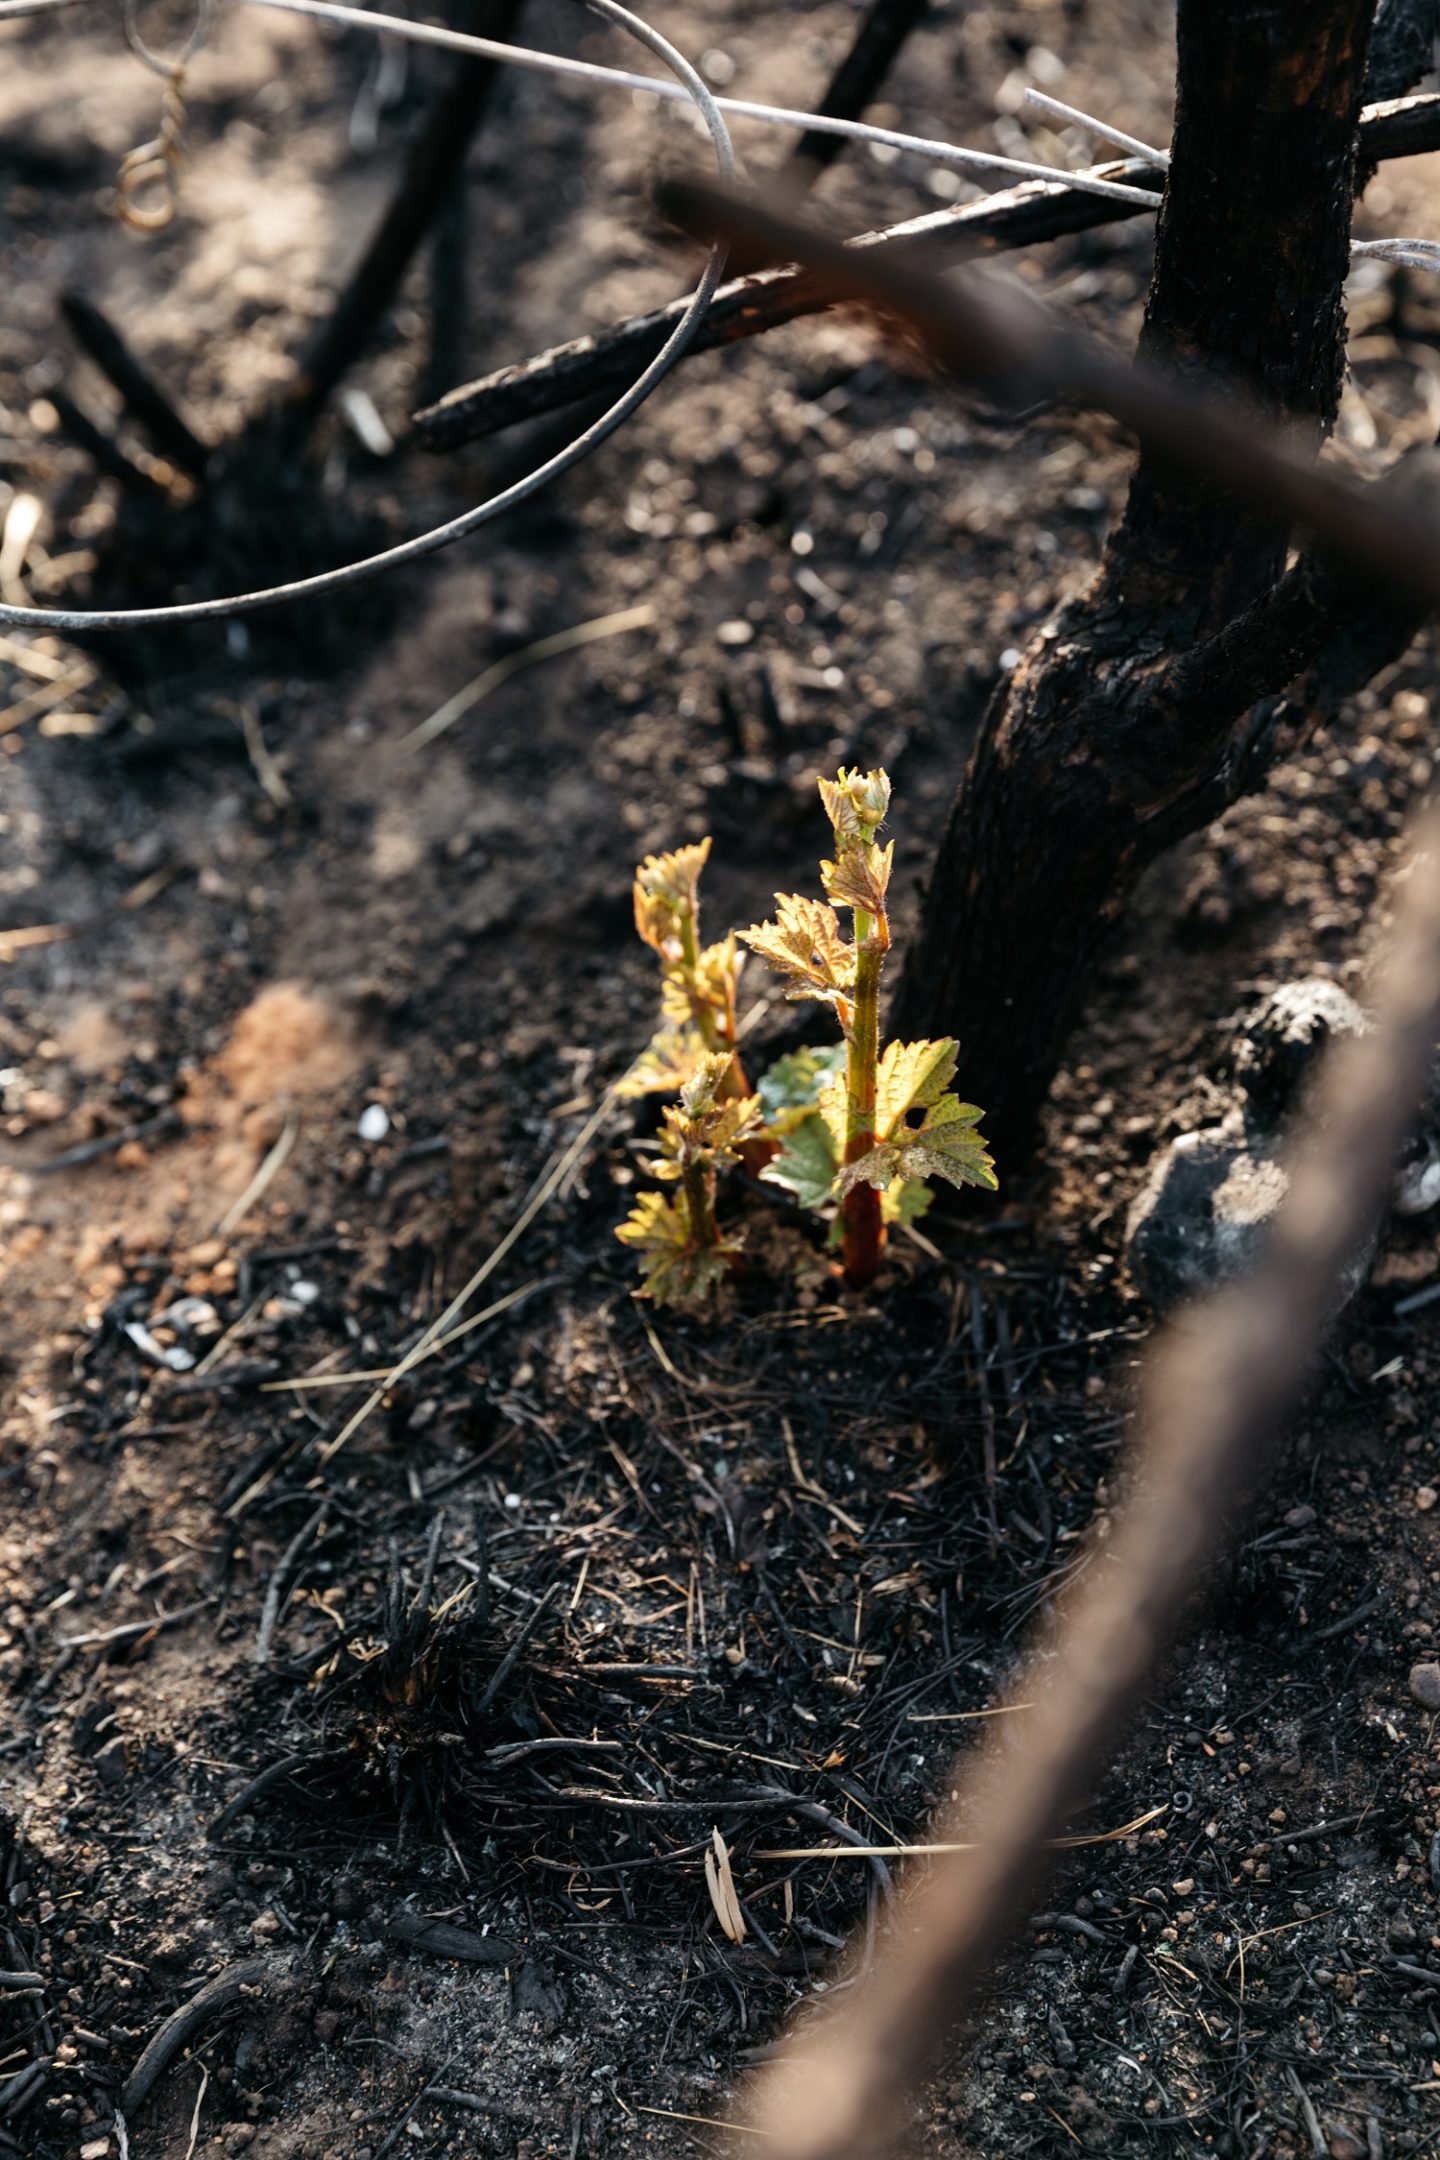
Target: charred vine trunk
{"x":1124,"y":726}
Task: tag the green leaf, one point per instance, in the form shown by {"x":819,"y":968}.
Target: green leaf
{"x":905,"y":1201}
{"x":911,"y":1077}
{"x":674,"y":1271}
{"x":806,"y":1163}
{"x":790,"y":1090}
{"x":946,"y":1145}
{"x":804,"y":943}
{"x":861,"y":878}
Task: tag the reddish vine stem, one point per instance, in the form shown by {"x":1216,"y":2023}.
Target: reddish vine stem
{"x":862,"y":1229}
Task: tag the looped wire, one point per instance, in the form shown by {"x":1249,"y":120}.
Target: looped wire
{"x":165,"y":69}
{"x":147,"y":185}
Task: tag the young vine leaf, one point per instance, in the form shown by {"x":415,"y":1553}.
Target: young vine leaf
{"x":683,"y":1252}
{"x":914,"y":1077}
{"x":804,"y":944}
{"x":697,"y":984}
{"x":674,"y":1269}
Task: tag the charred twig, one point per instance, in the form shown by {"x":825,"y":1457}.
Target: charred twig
{"x":747,"y":306}
{"x":1217,"y":1396}
{"x":511,"y":1658}
{"x":442,"y":1939}
{"x":449,"y":290}
{"x":884,"y":27}
{"x":216,"y":1995}
{"x":283,"y":1582}
{"x":90,"y":1151}
{"x":435,"y":158}
{"x":135,"y":1630}
{"x":141,"y":395}
{"x":306,"y":1759}
{"x":102,"y":449}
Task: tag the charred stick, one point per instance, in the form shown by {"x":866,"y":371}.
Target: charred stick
{"x":449,"y":291}
{"x":1219,"y":1390}
{"x":287,"y":1766}
{"x":141,"y":395}
{"x":216,"y":1996}
{"x":885,"y":26}
{"x":283,"y":1583}
{"x":748,"y":306}
{"x":102,"y":449}
{"x":436,"y":156}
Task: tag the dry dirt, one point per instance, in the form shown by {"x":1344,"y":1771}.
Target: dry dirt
{"x":749,"y":1567}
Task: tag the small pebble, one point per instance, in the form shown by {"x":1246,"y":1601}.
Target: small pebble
{"x":1426,"y":1497}
{"x":1425,"y":1685}
{"x":735,"y":632}
{"x":374,"y":1122}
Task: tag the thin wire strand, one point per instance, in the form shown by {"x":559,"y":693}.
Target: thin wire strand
{"x":458,"y":528}
{"x":521,"y":56}
{"x":1414,"y":254}
{"x":1102,"y":128}
{"x":543,"y":63}
{"x":12,"y":10}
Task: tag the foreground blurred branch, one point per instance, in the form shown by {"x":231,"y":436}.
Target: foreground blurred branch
{"x":993,"y":335}
{"x":1217,"y":1392}
{"x":748,"y":306}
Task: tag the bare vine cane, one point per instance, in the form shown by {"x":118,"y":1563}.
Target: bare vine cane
{"x":147,"y":185}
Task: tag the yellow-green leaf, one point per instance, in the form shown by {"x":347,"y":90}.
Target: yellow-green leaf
{"x":861,"y":878}
{"x":911,"y":1077}
{"x":665,"y":1065}
{"x":804,"y":943}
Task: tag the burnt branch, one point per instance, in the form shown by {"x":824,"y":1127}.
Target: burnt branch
{"x":435,"y":159}
{"x":994,"y":336}
{"x":1218,"y":1393}
{"x":877,"y":44}
{"x":747,"y":307}
{"x":140,"y":393}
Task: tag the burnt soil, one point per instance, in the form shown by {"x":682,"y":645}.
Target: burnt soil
{"x":595,"y":1581}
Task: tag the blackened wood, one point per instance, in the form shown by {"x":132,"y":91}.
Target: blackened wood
{"x":449,"y":291}
{"x":141,"y":395}
{"x":883,"y":30}
{"x":1083,"y":768}
{"x":103,"y":450}
{"x":216,"y":1996}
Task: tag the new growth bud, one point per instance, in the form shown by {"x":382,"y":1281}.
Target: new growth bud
{"x":855,"y":804}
